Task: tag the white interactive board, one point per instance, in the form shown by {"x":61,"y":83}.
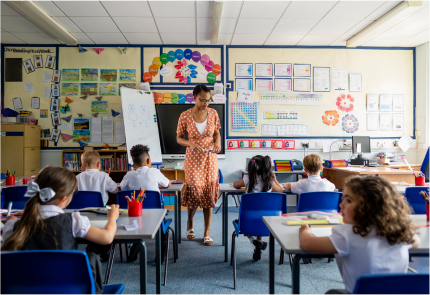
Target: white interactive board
{"x":140,"y":122}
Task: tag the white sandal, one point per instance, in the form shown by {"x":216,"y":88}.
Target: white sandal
{"x":207,"y":241}
{"x":190,"y":234}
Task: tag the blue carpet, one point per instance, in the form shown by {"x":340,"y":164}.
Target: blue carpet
{"x":201,"y":269}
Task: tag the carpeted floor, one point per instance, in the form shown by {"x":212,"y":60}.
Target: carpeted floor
{"x":201,"y":269}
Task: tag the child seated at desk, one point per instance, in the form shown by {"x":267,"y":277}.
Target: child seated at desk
{"x":376,"y":234}
{"x":260,"y":178}
{"x":313,"y":167}
{"x":147,"y":178}
{"x":44,"y":225}
{"x":92,"y":179}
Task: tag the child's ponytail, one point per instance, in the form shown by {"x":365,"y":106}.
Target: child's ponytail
{"x":260,"y":166}
{"x":51,"y":183}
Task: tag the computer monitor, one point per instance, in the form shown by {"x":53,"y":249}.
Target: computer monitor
{"x":360,"y":145}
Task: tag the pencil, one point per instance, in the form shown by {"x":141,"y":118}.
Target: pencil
{"x":9,"y":209}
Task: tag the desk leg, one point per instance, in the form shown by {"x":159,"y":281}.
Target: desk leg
{"x":222,"y":219}
{"x":295,"y":273}
{"x":143,"y":269}
{"x":225,"y":229}
{"x":271,"y":264}
{"x":158,"y":260}
{"x":178,"y":233}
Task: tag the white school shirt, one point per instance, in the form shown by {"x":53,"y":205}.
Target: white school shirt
{"x":358,"y":256}
{"x":258,"y":187}
{"x":314,"y":183}
{"x":145,"y":178}
{"x":202,"y":126}
{"x":98,"y":181}
{"x":80,"y":224}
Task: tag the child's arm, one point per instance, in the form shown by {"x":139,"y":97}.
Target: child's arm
{"x":276,"y":186}
{"x":287,"y":186}
{"x":417,"y":241}
{"x":105,"y":235}
{"x":238,"y":183}
{"x":312,"y":244}
{"x":111,"y":186}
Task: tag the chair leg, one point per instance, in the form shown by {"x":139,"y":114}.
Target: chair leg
{"x":126,"y":251}
{"x":110,"y":263}
{"x":233,"y":245}
{"x":234,"y":198}
{"x":120,"y":251}
{"x":166,"y":258}
{"x":281,"y":257}
{"x":233,"y":242}
{"x":174,"y":245}
{"x":222,"y":203}
{"x":291,"y":261}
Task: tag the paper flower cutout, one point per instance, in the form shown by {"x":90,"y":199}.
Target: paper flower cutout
{"x":349,"y":123}
{"x":66,"y":137}
{"x":330,"y":118}
{"x":344,"y":102}
{"x":186,"y":72}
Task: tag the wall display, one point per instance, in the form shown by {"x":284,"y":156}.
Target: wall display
{"x":55,"y":135}
{"x":398,"y":121}
{"x":29,"y":87}
{"x":81,"y":135}
{"x":70,"y":75}
{"x":107,"y":129}
{"x":107,"y":89}
{"x":266,"y":144}
{"x":44,"y":113}
{"x":244,"y":117}
{"x":384,"y":122}
{"x":69,"y":89}
{"x":283,"y":85}
{"x":289,"y":144}
{"x":100,"y":107}
{"x":277,"y":144}
{"x":55,"y":89}
{"x":56,"y":76}
{"x":350,"y":123}
{"x":355,"y":83}
{"x":108,"y":75}
{"x":50,"y":61}
{"x":96,"y":130}
{"x":269,"y":130}
{"x":255,"y":144}
{"x":38,"y":62}
{"x":282,"y":70}
{"x":245,"y":96}
{"x":321,"y":79}
{"x":47,"y":76}
{"x":263,"y":70}
{"x":302,"y":70}
{"x":293,"y":129}
{"x":398,"y":102}
{"x":17,"y":103}
{"x":55,"y":104}
{"x":294,"y":99}
{"x":35,"y":102}
{"x":119,"y":132}
{"x":372,"y":121}
{"x":263,"y":84}
{"x":345,"y":102}
{"x":330,"y":118}
{"x":89,"y":88}
{"x":301,"y":85}
{"x":385,"y":102}
{"x":127,"y":75}
{"x":340,"y":79}
{"x":279,"y":114}
{"x":128,"y":85}
{"x":55,"y":118}
{"x":89,"y":74}
{"x":232,"y":144}
{"x":243,"y":84}
{"x":28,"y":66}
{"x":372,"y":102}
{"x":243,"y":70}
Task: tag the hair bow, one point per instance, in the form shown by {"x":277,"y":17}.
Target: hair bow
{"x":45,"y":194}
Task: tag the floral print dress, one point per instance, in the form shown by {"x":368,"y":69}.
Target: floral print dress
{"x":201,"y":168}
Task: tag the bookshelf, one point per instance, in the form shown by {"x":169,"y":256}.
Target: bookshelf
{"x":111,"y":160}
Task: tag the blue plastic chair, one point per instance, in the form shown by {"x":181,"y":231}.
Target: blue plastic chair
{"x":153,"y":200}
{"x":319,"y":201}
{"x":416,"y":202}
{"x":425,"y":165}
{"x":3,"y":176}
{"x":84,"y":199}
{"x":14,"y":194}
{"x":63,"y":272}
{"x":393,"y":284}
{"x":251,"y":211}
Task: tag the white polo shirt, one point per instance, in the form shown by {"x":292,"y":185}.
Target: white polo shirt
{"x":98,"y":181}
{"x":145,"y":178}
{"x":313,"y":183}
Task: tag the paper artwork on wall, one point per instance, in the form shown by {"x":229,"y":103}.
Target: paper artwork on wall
{"x":245,"y":96}
{"x":81,"y":49}
{"x":384,"y":122}
{"x":47,"y":76}
{"x":263,"y":85}
{"x":81,"y":135}
{"x":44,"y":113}
{"x":340,"y":79}
{"x":280,"y":115}
{"x":372,"y":121}
{"x":81,"y":123}
{"x":100,"y":107}
{"x":50,"y":60}
{"x":283,"y":70}
{"x":107,"y":89}
{"x":99,"y":98}
{"x":126,"y":75}
{"x":243,"y":70}
{"x":38,"y":61}
{"x":245,"y":117}
{"x":350,"y":123}
{"x":96,"y":130}
{"x":55,"y":135}
{"x":28,"y":66}
{"x":283,"y":85}
{"x":89,"y":89}
{"x":321,"y":79}
{"x":355,"y":83}
{"x":301,"y":85}
{"x":46,"y":92}
{"x":67,"y":119}
{"x":89,"y":74}
{"x":122,"y":50}
{"x":263,"y":70}
{"x":56,"y":76}
{"x":345,"y":102}
{"x":128,"y":85}
{"x":66,"y":126}
{"x":98,"y":50}
{"x":243,"y":84}
{"x":55,"y":89}
{"x":330,"y":118}
{"x":269,"y":130}
{"x":55,"y":104}
{"x":293,"y":98}
{"x":66,"y":137}
{"x":17,"y":103}
{"x":55,"y":118}
{"x":29,"y":87}
{"x":70,"y":75}
{"x":398,"y":122}
{"x":302,"y":70}
{"x":385,"y":102}
{"x":46,"y":132}
{"x":35,"y":102}
{"x":398,"y":103}
{"x":372,"y":102}
{"x":69,"y":89}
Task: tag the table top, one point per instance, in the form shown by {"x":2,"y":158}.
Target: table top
{"x":402,"y":188}
{"x":228,"y":188}
{"x":282,"y":172}
{"x":288,"y":236}
{"x":370,"y":170}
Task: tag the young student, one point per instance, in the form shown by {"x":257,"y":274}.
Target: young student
{"x":314,"y":183}
{"x":376,"y":234}
{"x":92,"y":179}
{"x":260,"y":178}
{"x":44,"y":225}
{"x":147,"y":178}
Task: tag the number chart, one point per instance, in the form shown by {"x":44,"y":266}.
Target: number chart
{"x":244,"y":117}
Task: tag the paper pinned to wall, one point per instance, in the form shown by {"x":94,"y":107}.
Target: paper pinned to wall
{"x":96,"y":130}
{"x":372,"y":122}
{"x":29,"y":87}
{"x":340,"y":79}
{"x":398,"y":102}
{"x":405,"y":142}
{"x":372,"y":102}
{"x":35,"y":102}
{"x":47,"y":78}
{"x":119,"y":132}
{"x":269,"y":130}
{"x":17,"y":103}
{"x":46,"y":92}
{"x":107,"y":129}
{"x":398,"y":122}
{"x":66,"y":126}
{"x":245,"y":96}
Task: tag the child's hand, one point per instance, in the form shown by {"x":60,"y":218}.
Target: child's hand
{"x":304,"y":229}
{"x":114,"y":212}
{"x":12,"y":217}
{"x":287,"y":186}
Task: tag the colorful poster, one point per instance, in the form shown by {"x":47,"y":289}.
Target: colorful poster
{"x":244,"y":117}
{"x":282,"y":70}
{"x":321,"y":79}
{"x":283,"y":85}
{"x":100,"y":107}
{"x":302,"y":85}
{"x":44,"y":113}
{"x":81,"y":123}
{"x":330,"y":118}
{"x":302,"y":70}
{"x":279,"y":114}
{"x":88,"y":88}
{"x":263,"y":85}
{"x":71,"y":75}
{"x":372,"y":102}
{"x":89,"y":74}
{"x":243,"y":70}
{"x":69,"y":89}
{"x":293,"y":98}
{"x":109,"y":75}
{"x":127,"y":75}
{"x":107,"y":89}
{"x":350,"y":123}
{"x":81,"y":135}
{"x":243,"y":84}
{"x":263,"y":70}
{"x":128,"y":85}
{"x":345,"y":102}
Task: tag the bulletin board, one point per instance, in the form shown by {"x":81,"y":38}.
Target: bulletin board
{"x":383,"y":71}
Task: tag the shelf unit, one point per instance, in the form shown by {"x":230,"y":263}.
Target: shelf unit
{"x":76,"y":155}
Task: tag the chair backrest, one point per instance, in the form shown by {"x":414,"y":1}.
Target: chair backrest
{"x":254,"y":206}
{"x":220,"y":178}
{"x":425,"y":167}
{"x":319,"y":201}
{"x":393,"y":284}
{"x":416,"y":202}
{"x":3,"y":176}
{"x":84,"y":199}
{"x":153,"y":199}
{"x":46,"y":272}
{"x":14,"y":194}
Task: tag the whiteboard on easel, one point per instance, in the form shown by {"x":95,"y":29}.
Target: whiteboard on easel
{"x":140,"y":122}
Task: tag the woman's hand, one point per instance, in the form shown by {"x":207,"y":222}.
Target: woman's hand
{"x":217,"y":147}
{"x":195,"y":146}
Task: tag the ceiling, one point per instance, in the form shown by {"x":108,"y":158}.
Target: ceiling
{"x":308,"y":23}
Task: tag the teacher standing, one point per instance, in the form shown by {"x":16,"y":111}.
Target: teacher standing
{"x":201,"y":165}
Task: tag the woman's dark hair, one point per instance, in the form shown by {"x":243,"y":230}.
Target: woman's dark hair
{"x":200,"y":88}
{"x":260,"y":166}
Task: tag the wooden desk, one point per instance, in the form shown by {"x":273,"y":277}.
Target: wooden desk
{"x":339,"y":176}
{"x":288,"y":239}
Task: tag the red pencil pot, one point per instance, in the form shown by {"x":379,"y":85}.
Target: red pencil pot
{"x":134,"y":208}
{"x":24,"y":181}
{"x":420,"y":180}
{"x":427,"y":211}
{"x":10,"y":180}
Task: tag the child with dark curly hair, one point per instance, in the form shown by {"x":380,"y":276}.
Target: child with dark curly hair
{"x":376,"y":234}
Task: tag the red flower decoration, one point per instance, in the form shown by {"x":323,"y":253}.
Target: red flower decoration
{"x":344,"y":102}
{"x":331,"y":118}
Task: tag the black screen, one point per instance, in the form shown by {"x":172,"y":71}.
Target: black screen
{"x":167,"y":119}
{"x":365,"y":144}
{"x":13,"y":70}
